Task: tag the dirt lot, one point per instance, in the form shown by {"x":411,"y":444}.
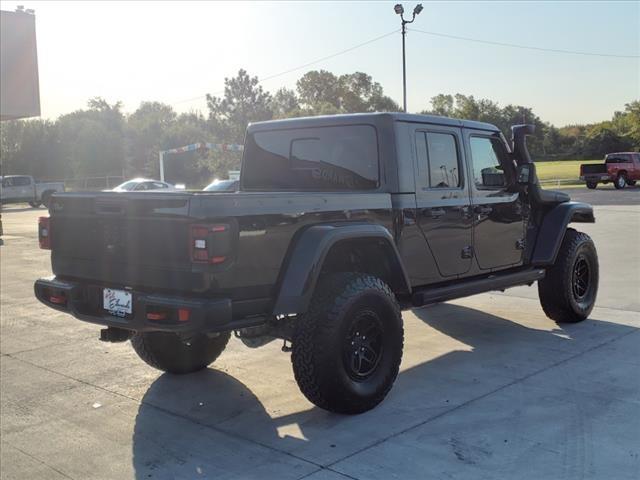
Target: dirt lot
{"x":489,"y":388}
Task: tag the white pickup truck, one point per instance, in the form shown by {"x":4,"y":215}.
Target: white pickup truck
{"x":23,"y":188}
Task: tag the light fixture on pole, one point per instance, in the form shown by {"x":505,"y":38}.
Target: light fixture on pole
{"x":399,"y":9}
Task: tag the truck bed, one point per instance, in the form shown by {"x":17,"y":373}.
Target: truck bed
{"x":142,"y":239}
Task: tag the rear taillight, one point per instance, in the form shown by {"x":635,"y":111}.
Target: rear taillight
{"x":167,"y":314}
{"x":44,"y":233}
{"x":58,"y":299}
{"x":209,"y":243}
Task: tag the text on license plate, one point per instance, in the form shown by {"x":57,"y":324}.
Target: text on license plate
{"x":117,"y":302}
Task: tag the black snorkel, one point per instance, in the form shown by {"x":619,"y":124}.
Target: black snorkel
{"x":519,"y":142}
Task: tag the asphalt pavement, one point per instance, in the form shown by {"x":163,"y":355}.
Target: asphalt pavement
{"x":489,"y":388}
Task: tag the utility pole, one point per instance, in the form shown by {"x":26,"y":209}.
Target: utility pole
{"x":161,"y":162}
{"x":399,"y":9}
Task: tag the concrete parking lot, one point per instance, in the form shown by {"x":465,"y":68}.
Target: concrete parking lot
{"x":489,"y":388}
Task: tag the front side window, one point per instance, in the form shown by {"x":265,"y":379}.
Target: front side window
{"x":312,"y":159}
{"x":21,"y":181}
{"x":488,"y":156}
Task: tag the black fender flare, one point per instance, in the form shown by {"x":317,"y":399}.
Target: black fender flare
{"x":302,"y":270}
{"x":553,"y":228}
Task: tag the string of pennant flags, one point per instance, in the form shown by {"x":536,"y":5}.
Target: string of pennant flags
{"x":218,"y":147}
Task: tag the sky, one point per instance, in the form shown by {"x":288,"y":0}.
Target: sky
{"x":176,"y":52}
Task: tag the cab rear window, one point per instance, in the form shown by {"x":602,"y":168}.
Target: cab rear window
{"x":312,"y":159}
{"x":618,"y":159}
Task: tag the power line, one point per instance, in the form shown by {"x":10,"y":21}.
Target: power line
{"x":436,"y":34}
{"x":527,"y":47}
{"x":300,"y":67}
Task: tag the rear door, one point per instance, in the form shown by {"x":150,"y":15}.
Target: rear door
{"x":442,"y":197}
{"x":27,"y":187}
{"x":499,"y":214}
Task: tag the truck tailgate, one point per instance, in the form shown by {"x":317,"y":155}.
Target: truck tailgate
{"x":125,"y":239}
{"x":593,"y":169}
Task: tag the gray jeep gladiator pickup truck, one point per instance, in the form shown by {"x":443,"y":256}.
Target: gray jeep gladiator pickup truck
{"x":340,"y":223}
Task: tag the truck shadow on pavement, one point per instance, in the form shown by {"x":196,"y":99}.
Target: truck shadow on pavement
{"x":209,"y":423}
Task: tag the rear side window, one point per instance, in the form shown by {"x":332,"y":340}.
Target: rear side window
{"x":442,"y":155}
{"x":128,"y":185}
{"x":439,"y":152}
{"x":312,"y":159}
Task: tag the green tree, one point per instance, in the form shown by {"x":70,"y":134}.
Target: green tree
{"x":627,"y":123}
{"x":190,"y":167}
{"x":92,"y":140}
{"x":442,"y":105}
{"x":318,"y":87}
{"x":145,"y":134}
{"x":244,"y":101}
{"x":359,"y":93}
{"x":602,"y":138}
{"x":32,"y":147}
{"x":322,"y":91}
{"x":284,"y":102}
{"x":485,"y":110}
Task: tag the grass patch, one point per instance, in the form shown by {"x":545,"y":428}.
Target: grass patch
{"x":563,"y":169}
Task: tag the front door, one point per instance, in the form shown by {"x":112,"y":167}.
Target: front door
{"x":16,"y":188}
{"x":499,"y":213}
{"x":442,"y":198}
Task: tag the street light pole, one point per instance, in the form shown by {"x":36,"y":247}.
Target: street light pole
{"x":404,"y":70}
{"x":399,"y":9}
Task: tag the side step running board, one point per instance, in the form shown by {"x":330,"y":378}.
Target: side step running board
{"x":497,"y":281}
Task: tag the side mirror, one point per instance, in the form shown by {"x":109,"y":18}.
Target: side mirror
{"x":526,"y":174}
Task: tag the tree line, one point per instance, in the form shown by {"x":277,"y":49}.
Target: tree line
{"x":101,"y":140}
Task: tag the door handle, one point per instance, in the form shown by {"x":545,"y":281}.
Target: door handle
{"x":437,"y":212}
{"x":466,"y":212}
{"x":484,"y":210}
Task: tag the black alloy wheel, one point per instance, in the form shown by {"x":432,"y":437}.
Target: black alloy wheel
{"x":347,"y":346}
{"x":364,"y":345}
{"x":569,"y":289}
{"x":580,"y":278}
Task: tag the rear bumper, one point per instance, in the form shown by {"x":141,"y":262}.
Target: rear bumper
{"x":85,"y":303}
{"x":596,"y":177}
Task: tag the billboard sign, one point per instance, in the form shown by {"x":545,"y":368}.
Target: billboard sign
{"x":19,"y":89}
